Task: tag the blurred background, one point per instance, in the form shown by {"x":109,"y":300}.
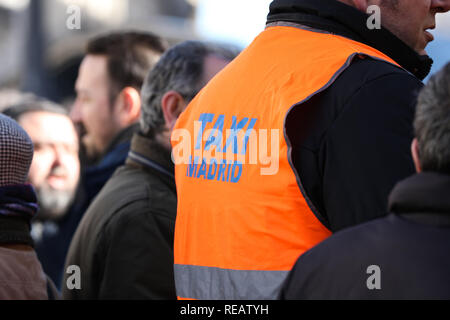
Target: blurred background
{"x":42,"y":41}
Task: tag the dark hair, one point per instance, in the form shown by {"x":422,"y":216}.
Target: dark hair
{"x":180,"y":69}
{"x":130,"y":56}
{"x":432,"y":123}
{"x":30,"y":103}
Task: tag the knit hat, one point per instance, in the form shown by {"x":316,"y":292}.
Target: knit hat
{"x":16,"y":152}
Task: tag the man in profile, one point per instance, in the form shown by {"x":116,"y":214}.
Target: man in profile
{"x":108,"y":103}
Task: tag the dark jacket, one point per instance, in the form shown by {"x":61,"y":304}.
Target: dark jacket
{"x":124,"y":244}
{"x":351,"y":143}
{"x":411,"y":248}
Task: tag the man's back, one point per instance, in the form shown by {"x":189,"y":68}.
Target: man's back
{"x":270,"y":194}
{"x":260,"y":223}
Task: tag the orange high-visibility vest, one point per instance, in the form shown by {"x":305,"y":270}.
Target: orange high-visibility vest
{"x":241,"y":225}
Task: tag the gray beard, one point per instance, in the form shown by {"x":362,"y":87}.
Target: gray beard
{"x":53,"y":204}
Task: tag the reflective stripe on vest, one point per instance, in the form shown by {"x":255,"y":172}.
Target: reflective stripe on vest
{"x":241,"y":225}
{"x":231,"y":284}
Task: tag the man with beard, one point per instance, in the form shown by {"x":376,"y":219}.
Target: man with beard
{"x":107,"y":106}
{"x":54,"y":172}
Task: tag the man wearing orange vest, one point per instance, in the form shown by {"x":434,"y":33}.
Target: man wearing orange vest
{"x":303,"y":134}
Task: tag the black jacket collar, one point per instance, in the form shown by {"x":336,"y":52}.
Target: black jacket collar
{"x":337,"y":18}
{"x":423,"y":195}
{"x":147,"y":154}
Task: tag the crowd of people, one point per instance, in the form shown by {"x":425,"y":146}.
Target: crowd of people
{"x":150,"y":186}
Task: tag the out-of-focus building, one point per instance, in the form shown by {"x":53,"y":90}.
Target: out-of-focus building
{"x":42,"y":41}
{"x":41,"y":45}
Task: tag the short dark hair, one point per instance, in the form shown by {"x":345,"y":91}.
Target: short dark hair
{"x":31,"y":103}
{"x":180,"y":69}
{"x":130,"y":55}
{"x":432,"y":123}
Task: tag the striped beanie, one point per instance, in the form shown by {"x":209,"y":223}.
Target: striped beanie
{"x":16,"y":152}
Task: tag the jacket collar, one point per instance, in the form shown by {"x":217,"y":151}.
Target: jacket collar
{"x":149,"y":155}
{"x":123,"y":136}
{"x":423,"y":194}
{"x":338,"y":18}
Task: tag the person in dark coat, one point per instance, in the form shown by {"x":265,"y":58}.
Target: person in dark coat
{"x":124,"y":244}
{"x":406,"y":254}
{"x":21,"y":273}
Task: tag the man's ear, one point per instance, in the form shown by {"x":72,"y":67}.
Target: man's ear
{"x":127,"y":108}
{"x":172,"y":104}
{"x":415,"y":155}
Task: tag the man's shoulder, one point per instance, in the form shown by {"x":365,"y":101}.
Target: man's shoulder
{"x":128,"y":182}
{"x":370,"y":71}
{"x":383,"y":239}
{"x":341,"y":266}
{"x":121,"y":189}
{"x":369,"y":89}
{"x":345,"y":254}
{"x":365,"y":88}
{"x":130,"y":192}
{"x":358,"y":236}
{"x":135,"y":183}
